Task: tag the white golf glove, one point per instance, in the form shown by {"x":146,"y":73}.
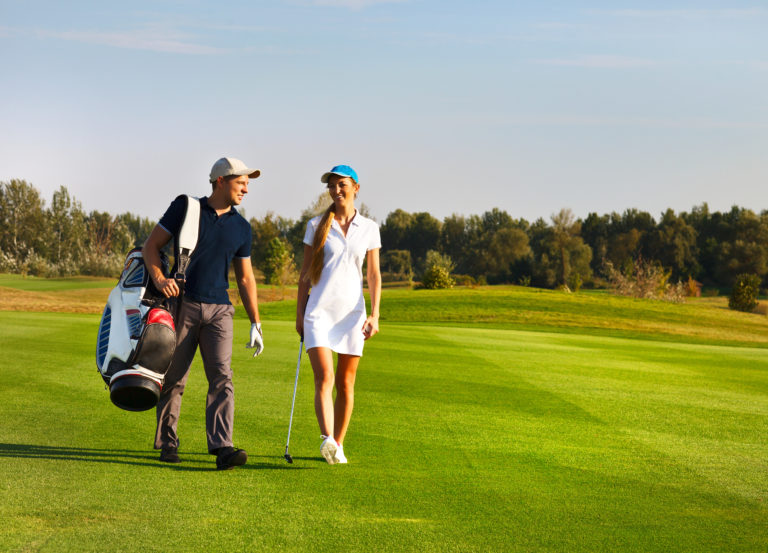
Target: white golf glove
{"x":257,"y":340}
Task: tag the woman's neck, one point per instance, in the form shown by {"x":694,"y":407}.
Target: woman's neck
{"x":344,"y":214}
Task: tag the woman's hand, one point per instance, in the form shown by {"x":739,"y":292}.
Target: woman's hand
{"x":370,"y":327}
{"x":300,"y":326}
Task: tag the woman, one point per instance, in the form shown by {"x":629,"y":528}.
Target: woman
{"x":332,"y":317}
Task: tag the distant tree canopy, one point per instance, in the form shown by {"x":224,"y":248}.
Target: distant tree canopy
{"x":712,"y":247}
{"x":62,"y":239}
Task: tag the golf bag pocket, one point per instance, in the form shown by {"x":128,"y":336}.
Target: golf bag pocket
{"x":155,"y":347}
{"x":136,"y":339}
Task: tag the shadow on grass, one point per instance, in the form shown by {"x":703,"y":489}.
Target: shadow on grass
{"x":124,"y":457}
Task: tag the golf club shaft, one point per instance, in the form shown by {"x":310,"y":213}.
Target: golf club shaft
{"x":293,"y":401}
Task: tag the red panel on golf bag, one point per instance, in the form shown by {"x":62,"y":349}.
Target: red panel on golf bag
{"x":160,"y":316}
{"x":157,"y":342}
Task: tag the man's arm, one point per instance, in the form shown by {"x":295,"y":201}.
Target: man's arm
{"x":151,"y":253}
{"x":246,"y":284}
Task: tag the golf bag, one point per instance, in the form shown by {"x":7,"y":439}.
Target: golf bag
{"x":137,"y":335}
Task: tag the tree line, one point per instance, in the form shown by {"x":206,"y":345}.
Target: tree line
{"x":710,"y":247}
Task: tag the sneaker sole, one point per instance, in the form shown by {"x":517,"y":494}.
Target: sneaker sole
{"x":328,"y":451}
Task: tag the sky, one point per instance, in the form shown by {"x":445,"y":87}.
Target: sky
{"x":441,"y":106}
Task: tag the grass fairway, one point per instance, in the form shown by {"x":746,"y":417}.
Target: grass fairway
{"x":468,"y":435}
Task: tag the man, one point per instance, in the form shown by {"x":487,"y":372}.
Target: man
{"x":205,"y":315}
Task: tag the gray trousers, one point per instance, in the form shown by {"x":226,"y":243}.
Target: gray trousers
{"x":210,"y":326}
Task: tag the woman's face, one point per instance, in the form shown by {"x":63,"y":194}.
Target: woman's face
{"x":342,"y":190}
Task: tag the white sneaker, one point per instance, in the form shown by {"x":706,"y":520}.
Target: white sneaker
{"x":339,"y":455}
{"x":328,"y":449}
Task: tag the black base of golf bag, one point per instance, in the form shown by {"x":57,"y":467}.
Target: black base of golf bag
{"x":136,"y":339}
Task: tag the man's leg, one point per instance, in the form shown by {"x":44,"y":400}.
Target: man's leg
{"x":169,"y":405}
{"x":216,"y":350}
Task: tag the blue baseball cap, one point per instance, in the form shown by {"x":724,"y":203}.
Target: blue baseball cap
{"x":341,"y":170}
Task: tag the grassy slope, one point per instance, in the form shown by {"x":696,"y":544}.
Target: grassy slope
{"x":465,"y":438}
{"x":37,"y":284}
{"x":700,"y":320}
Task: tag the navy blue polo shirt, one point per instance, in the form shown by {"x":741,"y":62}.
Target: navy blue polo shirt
{"x":221,"y":239}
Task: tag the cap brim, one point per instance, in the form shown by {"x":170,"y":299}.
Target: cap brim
{"x":327,"y":176}
{"x":251,"y":173}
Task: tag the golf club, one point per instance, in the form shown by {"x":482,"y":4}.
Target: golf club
{"x":293,"y":402}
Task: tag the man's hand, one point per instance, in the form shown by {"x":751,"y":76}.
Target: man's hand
{"x":167,"y":287}
{"x":257,"y":340}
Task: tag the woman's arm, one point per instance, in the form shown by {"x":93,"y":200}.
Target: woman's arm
{"x":303,"y":294}
{"x":371,"y":326}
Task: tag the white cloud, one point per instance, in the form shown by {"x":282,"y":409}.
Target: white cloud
{"x":688,"y":14}
{"x":600,"y":62}
{"x":352,"y":4}
{"x":141,"y":39}
{"x":558,"y":25}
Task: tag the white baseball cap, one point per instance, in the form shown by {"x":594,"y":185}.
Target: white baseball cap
{"x":229,"y":166}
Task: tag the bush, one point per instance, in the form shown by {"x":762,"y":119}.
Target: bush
{"x":744,"y":293}
{"x":438,"y":271}
{"x":465,"y":280}
{"x":437,"y":277}
{"x":99,"y":264}
{"x":574,"y":282}
{"x":644,"y":279}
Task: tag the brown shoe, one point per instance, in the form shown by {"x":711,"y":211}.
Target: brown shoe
{"x":169,"y":455}
{"x":229,"y":457}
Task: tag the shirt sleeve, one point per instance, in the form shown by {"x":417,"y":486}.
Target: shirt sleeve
{"x":374,"y":237}
{"x":174,"y":216}
{"x":244,"y":251}
{"x":309,"y":235}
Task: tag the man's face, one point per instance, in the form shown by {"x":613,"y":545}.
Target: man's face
{"x":235,"y":189}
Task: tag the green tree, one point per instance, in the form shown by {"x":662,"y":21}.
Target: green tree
{"x":396,"y":264}
{"x":673,"y":243}
{"x":263,"y":231}
{"x":423,"y":235}
{"x":279,"y":268}
{"x":23,"y":224}
{"x":454,"y":240}
{"x":67,"y":226}
{"x":395,"y":229}
{"x":595,"y":231}
{"x":559,"y":250}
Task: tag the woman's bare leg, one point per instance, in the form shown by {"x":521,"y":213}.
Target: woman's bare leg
{"x":345,"y":395}
{"x":322,"y":367}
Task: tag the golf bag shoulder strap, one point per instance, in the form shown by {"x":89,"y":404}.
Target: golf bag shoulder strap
{"x":186,"y":241}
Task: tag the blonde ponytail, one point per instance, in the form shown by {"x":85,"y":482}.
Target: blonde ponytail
{"x":318,"y":243}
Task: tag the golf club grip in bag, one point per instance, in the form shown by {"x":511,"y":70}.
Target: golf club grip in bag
{"x":137,"y":335}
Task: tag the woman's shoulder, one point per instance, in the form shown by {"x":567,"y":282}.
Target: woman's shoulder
{"x":314,"y":221}
{"x":363,"y":220}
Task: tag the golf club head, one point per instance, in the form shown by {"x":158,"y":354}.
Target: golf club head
{"x":288,"y":458}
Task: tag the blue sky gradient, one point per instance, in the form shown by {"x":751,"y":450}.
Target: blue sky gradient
{"x":446,"y":107}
